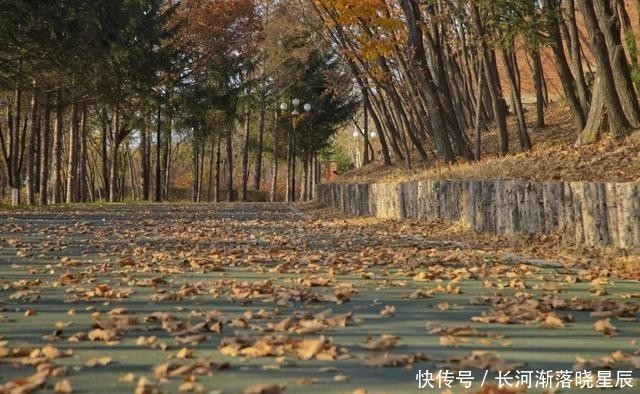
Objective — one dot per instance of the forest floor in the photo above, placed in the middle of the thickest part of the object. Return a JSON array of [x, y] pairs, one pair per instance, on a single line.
[[554, 156], [265, 298]]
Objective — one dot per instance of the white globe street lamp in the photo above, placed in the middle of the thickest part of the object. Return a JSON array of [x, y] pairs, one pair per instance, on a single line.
[[307, 107], [373, 134]]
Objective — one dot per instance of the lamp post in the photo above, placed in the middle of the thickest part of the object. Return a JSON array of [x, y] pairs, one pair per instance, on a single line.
[[356, 152], [294, 116]]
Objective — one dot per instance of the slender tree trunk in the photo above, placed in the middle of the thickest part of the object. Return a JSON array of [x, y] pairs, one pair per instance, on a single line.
[[438, 114], [144, 161], [536, 65], [289, 160], [562, 66], [44, 151], [37, 146], [376, 121], [576, 57], [257, 177], [365, 116], [72, 164], [216, 192], [31, 140], [496, 100], [211, 160], [82, 170], [229, 166], [516, 99], [56, 164], [195, 147], [203, 149], [115, 145], [132, 176], [293, 168], [305, 178], [276, 143], [105, 154], [158, 185], [478, 119], [14, 147], [166, 158], [245, 156]]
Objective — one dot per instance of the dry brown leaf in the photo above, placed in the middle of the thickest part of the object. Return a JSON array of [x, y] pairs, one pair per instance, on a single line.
[[385, 342], [388, 311], [604, 326], [552, 321], [98, 362], [63, 387]]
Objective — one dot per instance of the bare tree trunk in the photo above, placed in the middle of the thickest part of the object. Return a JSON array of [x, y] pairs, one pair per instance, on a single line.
[[610, 27], [105, 154], [31, 140], [229, 166], [115, 145], [195, 148], [305, 175], [376, 121], [216, 192], [516, 99], [158, 185], [496, 100], [134, 185], [438, 115], [562, 66], [14, 146], [82, 171], [72, 164], [144, 161], [276, 142], [56, 164], [627, 32], [365, 116], [257, 177], [536, 65], [203, 149], [44, 151], [478, 119], [576, 57], [166, 156], [618, 123], [245, 156], [597, 116], [211, 160], [289, 160]]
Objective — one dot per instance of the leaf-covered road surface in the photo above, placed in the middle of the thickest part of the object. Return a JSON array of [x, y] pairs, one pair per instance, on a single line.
[[262, 298]]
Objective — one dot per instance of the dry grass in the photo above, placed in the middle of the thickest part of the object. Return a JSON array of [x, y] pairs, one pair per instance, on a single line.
[[554, 157]]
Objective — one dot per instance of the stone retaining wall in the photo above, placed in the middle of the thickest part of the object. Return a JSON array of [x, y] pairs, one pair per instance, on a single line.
[[590, 213]]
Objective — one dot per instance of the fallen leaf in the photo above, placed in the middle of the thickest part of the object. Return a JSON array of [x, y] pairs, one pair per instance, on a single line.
[[388, 311], [63, 387], [604, 326], [384, 342], [98, 362]]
